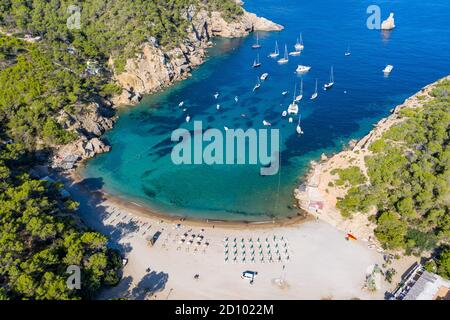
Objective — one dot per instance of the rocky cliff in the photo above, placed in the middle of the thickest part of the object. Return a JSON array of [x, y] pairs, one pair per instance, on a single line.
[[155, 68], [151, 70], [90, 122]]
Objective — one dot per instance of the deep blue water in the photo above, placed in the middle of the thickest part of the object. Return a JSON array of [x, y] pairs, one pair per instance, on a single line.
[[139, 166]]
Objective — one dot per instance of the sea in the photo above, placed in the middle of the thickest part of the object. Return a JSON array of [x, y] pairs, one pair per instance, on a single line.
[[140, 167]]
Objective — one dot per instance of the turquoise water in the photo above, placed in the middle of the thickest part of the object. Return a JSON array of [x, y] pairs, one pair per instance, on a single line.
[[139, 167]]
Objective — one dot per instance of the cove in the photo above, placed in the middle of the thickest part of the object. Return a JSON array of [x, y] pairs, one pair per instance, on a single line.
[[139, 166]]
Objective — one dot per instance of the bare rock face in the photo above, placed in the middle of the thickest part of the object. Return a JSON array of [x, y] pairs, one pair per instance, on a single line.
[[154, 68], [90, 122], [389, 23]]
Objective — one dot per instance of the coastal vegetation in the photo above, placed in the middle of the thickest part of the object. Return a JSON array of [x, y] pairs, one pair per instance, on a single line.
[[112, 28], [47, 68], [40, 238], [408, 185]]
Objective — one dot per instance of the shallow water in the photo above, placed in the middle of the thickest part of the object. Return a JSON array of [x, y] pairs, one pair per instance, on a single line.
[[139, 166]]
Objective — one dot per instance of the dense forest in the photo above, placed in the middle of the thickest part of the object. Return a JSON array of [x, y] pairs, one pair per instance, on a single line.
[[108, 27], [40, 236], [409, 181]]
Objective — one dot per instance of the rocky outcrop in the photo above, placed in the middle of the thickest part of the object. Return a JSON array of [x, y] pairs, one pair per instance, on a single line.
[[90, 122], [155, 68], [389, 23]]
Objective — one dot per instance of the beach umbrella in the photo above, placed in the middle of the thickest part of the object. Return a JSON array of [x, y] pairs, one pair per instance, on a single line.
[[226, 245], [234, 239], [226, 259], [287, 258], [234, 245], [276, 245]]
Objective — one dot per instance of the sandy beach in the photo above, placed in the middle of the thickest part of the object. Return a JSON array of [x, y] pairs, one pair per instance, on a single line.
[[298, 258], [310, 260]]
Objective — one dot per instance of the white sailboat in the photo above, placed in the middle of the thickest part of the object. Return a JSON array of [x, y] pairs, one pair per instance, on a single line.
[[297, 52], [188, 118], [256, 45], [347, 53], [285, 59], [299, 45], [299, 128], [256, 62], [314, 95], [276, 53], [331, 83], [293, 107], [300, 96], [257, 85]]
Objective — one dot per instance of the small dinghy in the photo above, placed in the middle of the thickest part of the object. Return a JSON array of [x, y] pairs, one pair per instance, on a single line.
[[290, 119], [188, 118], [388, 69], [284, 113], [216, 95], [266, 123], [264, 76], [302, 69], [218, 107], [181, 104]]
